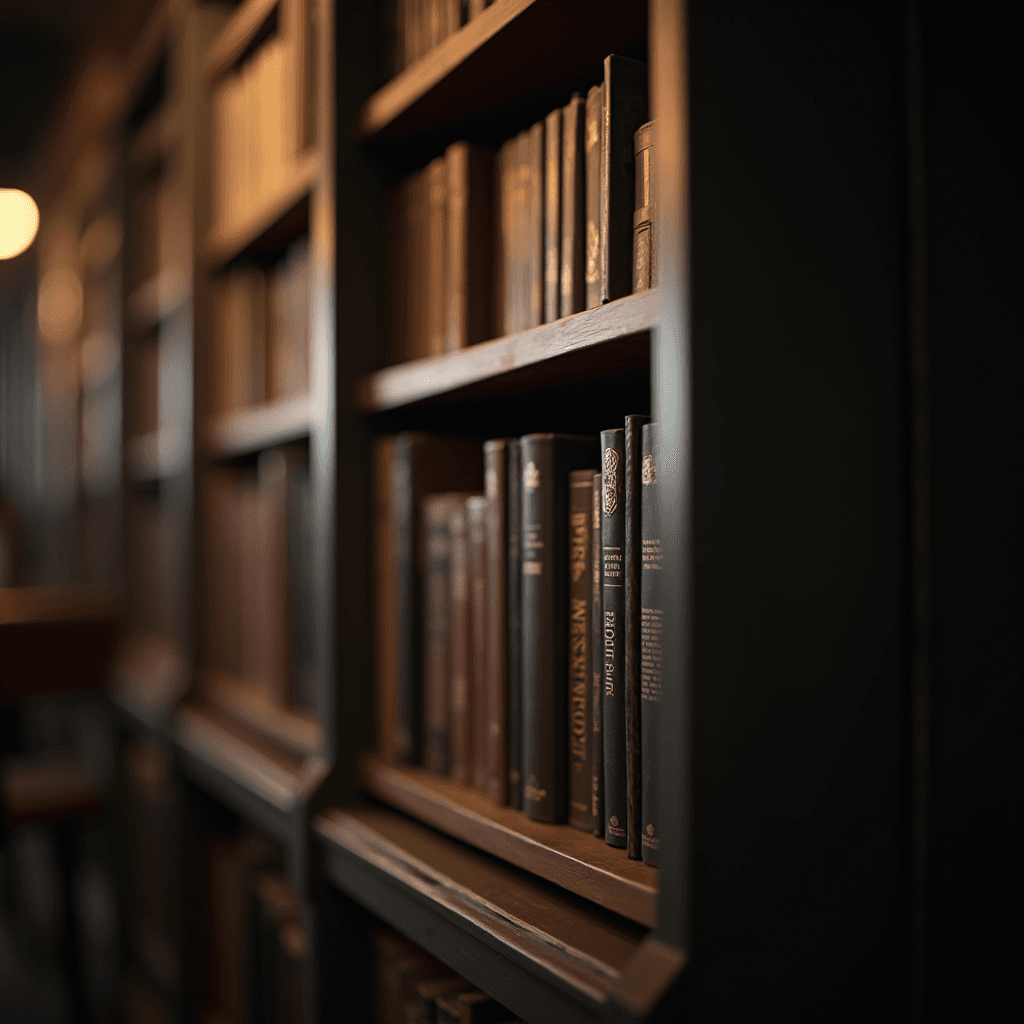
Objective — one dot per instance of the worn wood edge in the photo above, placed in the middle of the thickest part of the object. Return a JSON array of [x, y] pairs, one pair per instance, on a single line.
[[400, 789], [256, 427], [22, 606], [571, 969], [240, 29], [221, 245], [414, 82], [419, 379]]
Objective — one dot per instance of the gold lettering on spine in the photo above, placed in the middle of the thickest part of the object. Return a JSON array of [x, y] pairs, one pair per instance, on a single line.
[[578, 680], [609, 654]]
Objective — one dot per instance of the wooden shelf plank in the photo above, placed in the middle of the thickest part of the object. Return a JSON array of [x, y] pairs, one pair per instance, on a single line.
[[281, 217], [602, 340], [249, 430], [237, 35], [543, 953], [563, 855], [466, 80]]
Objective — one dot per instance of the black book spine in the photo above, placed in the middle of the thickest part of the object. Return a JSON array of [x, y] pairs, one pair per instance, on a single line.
[[651, 604], [596, 666], [631, 579], [613, 609], [515, 630], [547, 460], [409, 710]]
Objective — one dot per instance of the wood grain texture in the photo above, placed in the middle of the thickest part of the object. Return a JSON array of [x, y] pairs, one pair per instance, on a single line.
[[571, 859], [605, 339], [238, 34], [260, 426]]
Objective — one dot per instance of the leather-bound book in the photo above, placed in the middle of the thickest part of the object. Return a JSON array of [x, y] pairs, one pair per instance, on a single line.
[[592, 172], [552, 213], [385, 619], [400, 269], [535, 162], [632, 563], [651, 651], [504, 186], [643, 212], [501, 484], [581, 513], [476, 517], [596, 669], [613, 611], [547, 460], [572, 283], [625, 110], [470, 274], [417, 329], [422, 464], [437, 260], [521, 268], [457, 618]]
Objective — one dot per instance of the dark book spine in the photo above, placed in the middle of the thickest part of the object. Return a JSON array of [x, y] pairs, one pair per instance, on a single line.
[[625, 110], [476, 516], [613, 609], [408, 738], [631, 579], [643, 212], [460, 651], [535, 225], [552, 212], [572, 290], [651, 605], [514, 599], [596, 665], [581, 489], [437, 259], [592, 156], [495, 680], [437, 610]]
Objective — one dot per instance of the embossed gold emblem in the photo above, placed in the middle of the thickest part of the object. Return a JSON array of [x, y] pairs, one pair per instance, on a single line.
[[610, 481], [648, 471], [531, 477]]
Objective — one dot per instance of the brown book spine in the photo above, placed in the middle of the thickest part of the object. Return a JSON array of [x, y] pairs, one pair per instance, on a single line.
[[385, 624], [503, 226], [593, 149], [552, 212], [460, 652], [437, 515], [572, 286], [519, 240], [437, 260], [596, 666], [476, 515], [625, 110], [632, 568], [417, 331], [400, 269], [535, 159], [643, 214], [581, 488]]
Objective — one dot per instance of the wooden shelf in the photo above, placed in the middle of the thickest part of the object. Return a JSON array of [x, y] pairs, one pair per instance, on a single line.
[[158, 298], [517, 54], [250, 430], [158, 455], [25, 606], [541, 952], [239, 34], [599, 341], [563, 855], [281, 217]]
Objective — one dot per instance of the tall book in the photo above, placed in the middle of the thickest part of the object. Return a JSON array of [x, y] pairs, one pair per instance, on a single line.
[[596, 665], [301, 635], [581, 492], [547, 460], [517, 298], [643, 212], [631, 579], [552, 213], [437, 264], [572, 283], [534, 241], [625, 110], [455, 618], [613, 610], [400, 271], [652, 603], [385, 620], [504, 168], [476, 517], [592, 158], [501, 484], [470, 274], [422, 464]]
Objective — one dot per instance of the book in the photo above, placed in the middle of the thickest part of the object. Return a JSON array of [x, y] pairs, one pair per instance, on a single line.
[[581, 489], [385, 619], [651, 650], [625, 110], [436, 261], [613, 600], [592, 158], [470, 274], [402, 209], [301, 635], [460, 654], [631, 626], [422, 464], [572, 283], [643, 211], [596, 667], [547, 460], [552, 213], [476, 517], [288, 323], [533, 242]]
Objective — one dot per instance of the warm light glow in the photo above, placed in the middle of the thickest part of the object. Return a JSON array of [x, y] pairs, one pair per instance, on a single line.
[[19, 222]]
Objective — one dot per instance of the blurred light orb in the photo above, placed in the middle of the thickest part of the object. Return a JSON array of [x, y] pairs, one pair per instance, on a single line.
[[59, 306], [19, 222]]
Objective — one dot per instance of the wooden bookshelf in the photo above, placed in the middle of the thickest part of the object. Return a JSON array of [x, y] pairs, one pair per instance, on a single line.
[[253, 429], [241, 32]]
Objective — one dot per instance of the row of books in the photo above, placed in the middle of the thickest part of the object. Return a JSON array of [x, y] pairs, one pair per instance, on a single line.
[[258, 542], [256, 130], [520, 628], [412, 987], [485, 245], [261, 330], [420, 25]]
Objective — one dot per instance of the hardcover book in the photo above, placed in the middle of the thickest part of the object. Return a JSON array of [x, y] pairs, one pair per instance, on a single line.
[[572, 285], [460, 653], [476, 520], [596, 667]]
